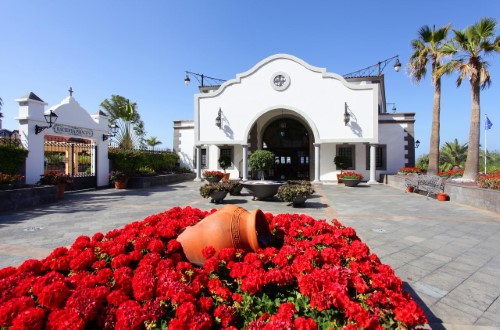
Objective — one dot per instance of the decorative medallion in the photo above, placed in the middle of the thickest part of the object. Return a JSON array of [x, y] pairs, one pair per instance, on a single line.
[[280, 81]]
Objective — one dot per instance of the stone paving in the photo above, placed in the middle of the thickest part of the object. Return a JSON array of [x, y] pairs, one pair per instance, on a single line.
[[447, 254]]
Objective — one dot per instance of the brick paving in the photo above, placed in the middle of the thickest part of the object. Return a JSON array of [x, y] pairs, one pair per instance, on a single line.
[[447, 254]]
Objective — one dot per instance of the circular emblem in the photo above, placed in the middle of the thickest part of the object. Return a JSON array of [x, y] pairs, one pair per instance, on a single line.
[[280, 81]]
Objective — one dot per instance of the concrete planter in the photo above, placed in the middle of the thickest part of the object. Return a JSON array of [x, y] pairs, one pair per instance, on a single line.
[[15, 199], [262, 189]]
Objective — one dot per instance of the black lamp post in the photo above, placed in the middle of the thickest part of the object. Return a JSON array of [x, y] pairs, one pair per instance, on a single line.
[[347, 115], [113, 129], [218, 119], [393, 106], [50, 118], [417, 144], [201, 79], [380, 66]]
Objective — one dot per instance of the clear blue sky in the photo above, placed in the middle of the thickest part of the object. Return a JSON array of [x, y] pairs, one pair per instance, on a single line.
[[140, 50]]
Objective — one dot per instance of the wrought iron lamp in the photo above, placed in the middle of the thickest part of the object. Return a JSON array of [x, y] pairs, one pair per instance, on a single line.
[[380, 66], [347, 115], [50, 118], [393, 106], [113, 129], [218, 119], [201, 79], [417, 144]]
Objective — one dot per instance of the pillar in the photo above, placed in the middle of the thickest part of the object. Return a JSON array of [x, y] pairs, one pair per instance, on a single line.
[[198, 164], [373, 164], [316, 162], [245, 162]]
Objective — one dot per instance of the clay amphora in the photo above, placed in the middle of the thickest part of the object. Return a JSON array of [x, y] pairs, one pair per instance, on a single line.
[[231, 226]]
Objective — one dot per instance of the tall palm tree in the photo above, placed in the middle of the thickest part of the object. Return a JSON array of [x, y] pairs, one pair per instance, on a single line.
[[453, 155], [467, 48], [427, 49]]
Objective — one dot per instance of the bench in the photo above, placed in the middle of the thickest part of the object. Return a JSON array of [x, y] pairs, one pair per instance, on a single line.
[[432, 184]]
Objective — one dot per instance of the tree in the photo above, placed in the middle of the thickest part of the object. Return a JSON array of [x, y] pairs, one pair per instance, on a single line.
[[422, 162], [467, 48], [152, 142], [427, 48], [453, 155], [124, 114]]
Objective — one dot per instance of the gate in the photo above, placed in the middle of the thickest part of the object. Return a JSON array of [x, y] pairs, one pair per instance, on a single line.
[[76, 157]]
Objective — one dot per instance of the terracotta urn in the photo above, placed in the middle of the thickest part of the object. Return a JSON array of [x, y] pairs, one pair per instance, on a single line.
[[442, 197], [225, 178], [231, 226], [61, 187], [121, 184]]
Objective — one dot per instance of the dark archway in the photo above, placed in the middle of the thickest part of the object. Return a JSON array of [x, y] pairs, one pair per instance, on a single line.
[[288, 139]]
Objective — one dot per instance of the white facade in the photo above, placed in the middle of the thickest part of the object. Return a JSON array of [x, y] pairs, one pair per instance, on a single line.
[[72, 121], [284, 90]]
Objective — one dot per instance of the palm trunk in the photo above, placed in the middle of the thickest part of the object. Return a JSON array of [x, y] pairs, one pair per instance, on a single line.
[[472, 162], [436, 122]]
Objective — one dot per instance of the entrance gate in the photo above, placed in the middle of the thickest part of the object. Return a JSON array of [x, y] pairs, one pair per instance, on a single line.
[[76, 157]]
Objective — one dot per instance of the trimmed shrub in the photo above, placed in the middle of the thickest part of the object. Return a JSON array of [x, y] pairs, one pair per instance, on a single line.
[[12, 158]]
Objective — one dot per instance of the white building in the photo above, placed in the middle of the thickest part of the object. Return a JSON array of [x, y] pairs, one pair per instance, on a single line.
[[298, 112]]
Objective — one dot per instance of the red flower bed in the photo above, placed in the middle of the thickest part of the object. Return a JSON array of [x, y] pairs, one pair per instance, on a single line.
[[316, 275]]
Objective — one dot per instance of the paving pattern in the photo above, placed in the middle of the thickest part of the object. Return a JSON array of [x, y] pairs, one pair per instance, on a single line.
[[447, 254]]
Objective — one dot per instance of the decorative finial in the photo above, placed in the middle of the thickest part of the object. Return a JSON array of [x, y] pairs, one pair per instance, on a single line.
[[70, 91]]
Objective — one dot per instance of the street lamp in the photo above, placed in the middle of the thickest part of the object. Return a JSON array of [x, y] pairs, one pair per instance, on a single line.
[[218, 119], [393, 106], [347, 115], [50, 118], [379, 66], [113, 129], [417, 144], [201, 79]]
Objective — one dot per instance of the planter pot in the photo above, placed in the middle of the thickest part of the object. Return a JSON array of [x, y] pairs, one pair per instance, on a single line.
[[409, 189], [236, 191], [230, 227], [339, 179], [262, 189], [442, 197], [351, 182], [225, 178], [299, 201], [218, 196], [61, 187], [121, 184], [213, 179]]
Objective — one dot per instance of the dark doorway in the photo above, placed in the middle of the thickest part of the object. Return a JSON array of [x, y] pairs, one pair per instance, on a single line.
[[288, 139]]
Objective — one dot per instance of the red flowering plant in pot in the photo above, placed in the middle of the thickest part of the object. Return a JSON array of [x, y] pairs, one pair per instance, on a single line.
[[55, 178], [314, 275], [212, 176]]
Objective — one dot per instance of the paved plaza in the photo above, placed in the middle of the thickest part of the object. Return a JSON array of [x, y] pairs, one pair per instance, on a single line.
[[447, 254]]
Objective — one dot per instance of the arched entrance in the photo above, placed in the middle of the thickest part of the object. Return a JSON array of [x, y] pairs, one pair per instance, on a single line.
[[288, 139]]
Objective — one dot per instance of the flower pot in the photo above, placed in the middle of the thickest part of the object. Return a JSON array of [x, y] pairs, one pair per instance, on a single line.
[[442, 197], [236, 191], [61, 187], [299, 201], [121, 184], [225, 178], [351, 182], [218, 196], [230, 227], [262, 189], [409, 189], [213, 179], [339, 179]]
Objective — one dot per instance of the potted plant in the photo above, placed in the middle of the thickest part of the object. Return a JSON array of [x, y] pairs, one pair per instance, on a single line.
[[261, 160], [59, 179], [225, 162], [119, 179], [8, 181], [351, 179], [217, 191], [295, 192], [341, 164], [213, 176], [236, 187]]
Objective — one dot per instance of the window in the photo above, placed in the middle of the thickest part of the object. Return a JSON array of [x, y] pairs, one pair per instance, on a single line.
[[204, 158], [348, 152], [226, 151], [380, 157]]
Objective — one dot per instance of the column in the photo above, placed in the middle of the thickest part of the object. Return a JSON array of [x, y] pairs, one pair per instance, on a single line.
[[198, 164], [373, 164], [316, 163], [245, 162]]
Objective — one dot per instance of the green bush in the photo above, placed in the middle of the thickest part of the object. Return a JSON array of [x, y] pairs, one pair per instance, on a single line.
[[12, 158], [139, 161]]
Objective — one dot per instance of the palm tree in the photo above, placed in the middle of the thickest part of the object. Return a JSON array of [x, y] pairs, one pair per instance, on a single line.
[[124, 114], [453, 155], [153, 142], [428, 48], [467, 47]]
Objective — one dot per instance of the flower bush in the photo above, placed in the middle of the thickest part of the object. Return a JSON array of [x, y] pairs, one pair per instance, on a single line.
[[207, 189], [350, 175], [10, 178], [213, 174], [117, 176], [409, 170], [489, 181], [315, 276], [451, 174], [53, 178], [293, 189]]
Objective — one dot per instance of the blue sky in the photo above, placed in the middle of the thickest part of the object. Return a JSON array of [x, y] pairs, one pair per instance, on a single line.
[[140, 50]]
